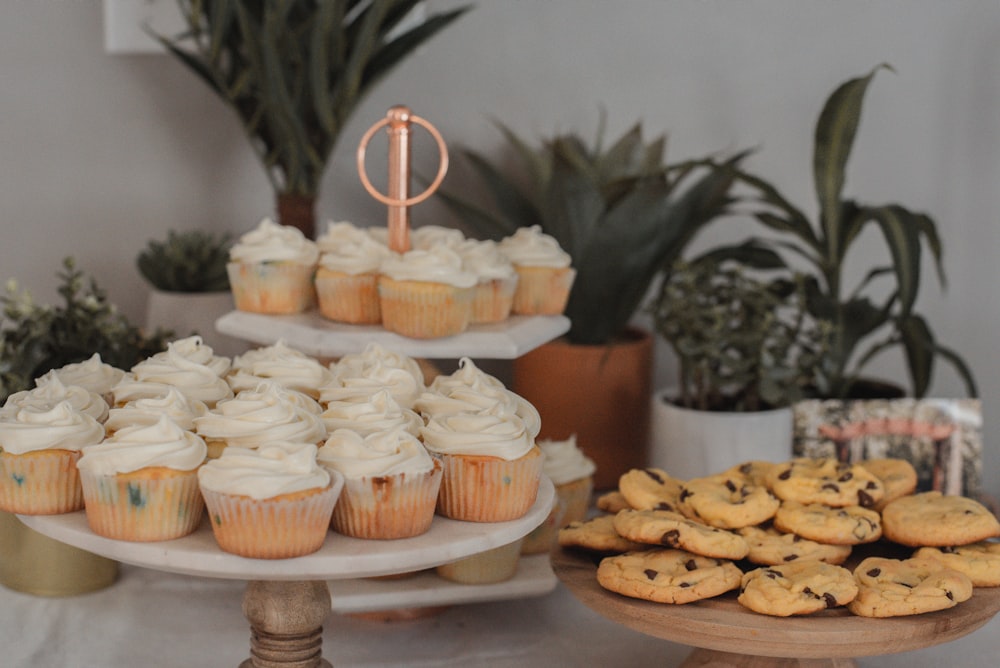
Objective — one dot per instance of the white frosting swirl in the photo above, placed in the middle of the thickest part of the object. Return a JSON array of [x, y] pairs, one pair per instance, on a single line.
[[484, 259], [286, 366], [32, 428], [564, 461], [366, 410], [384, 453], [355, 258], [484, 433], [339, 233], [531, 247], [92, 374], [271, 470], [148, 410], [271, 242], [189, 365], [53, 391], [263, 415], [471, 386], [436, 265], [372, 369], [163, 443], [426, 237]]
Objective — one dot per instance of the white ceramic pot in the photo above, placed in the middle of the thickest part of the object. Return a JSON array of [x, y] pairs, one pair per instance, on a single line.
[[688, 443], [188, 313]]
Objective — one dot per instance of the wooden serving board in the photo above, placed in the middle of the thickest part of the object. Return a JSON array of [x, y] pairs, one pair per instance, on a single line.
[[743, 636]]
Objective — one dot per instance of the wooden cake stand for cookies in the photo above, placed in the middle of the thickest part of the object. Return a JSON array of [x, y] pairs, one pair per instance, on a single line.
[[727, 635], [287, 600]]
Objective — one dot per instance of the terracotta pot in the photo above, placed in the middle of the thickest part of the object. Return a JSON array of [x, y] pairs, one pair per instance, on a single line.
[[600, 393]]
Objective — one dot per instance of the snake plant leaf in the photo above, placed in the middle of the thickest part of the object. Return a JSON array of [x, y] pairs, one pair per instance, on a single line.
[[479, 222], [514, 207], [538, 163], [573, 204]]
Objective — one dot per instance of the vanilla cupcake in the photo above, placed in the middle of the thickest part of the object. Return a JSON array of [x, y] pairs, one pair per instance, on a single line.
[[265, 414], [272, 502], [347, 275], [427, 237], [188, 364], [52, 391], [498, 564], [544, 272], [375, 368], [141, 484], [496, 280], [286, 366], [147, 410], [271, 269], [390, 483], [365, 410], [92, 374], [572, 473], [39, 449], [491, 465], [426, 293]]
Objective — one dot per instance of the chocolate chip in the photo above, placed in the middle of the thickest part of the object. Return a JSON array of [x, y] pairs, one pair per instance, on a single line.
[[831, 486], [865, 499], [874, 573], [690, 565], [730, 485], [663, 505], [684, 585], [791, 557], [685, 494], [746, 468], [785, 475], [831, 600], [844, 478], [807, 590], [772, 573], [950, 596], [654, 475], [670, 538], [871, 485], [650, 573]]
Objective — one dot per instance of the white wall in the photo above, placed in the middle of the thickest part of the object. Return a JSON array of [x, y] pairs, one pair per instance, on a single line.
[[100, 153]]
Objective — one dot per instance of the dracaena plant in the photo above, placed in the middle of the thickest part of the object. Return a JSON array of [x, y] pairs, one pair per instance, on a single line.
[[294, 71], [186, 261], [875, 312], [620, 211]]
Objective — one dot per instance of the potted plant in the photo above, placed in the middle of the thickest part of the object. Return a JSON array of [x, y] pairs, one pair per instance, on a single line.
[[35, 338], [293, 71], [622, 214], [876, 313], [190, 287]]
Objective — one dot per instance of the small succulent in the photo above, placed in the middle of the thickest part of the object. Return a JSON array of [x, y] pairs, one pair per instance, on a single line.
[[35, 338], [189, 261], [744, 342]]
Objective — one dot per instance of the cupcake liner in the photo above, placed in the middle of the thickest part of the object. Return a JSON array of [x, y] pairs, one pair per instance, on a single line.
[[488, 489], [285, 526], [493, 300], [348, 298], [424, 310], [272, 287], [148, 505], [43, 482], [496, 565], [542, 290], [388, 507], [575, 499]]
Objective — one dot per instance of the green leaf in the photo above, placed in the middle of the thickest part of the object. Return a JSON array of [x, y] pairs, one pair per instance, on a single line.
[[902, 237], [514, 206]]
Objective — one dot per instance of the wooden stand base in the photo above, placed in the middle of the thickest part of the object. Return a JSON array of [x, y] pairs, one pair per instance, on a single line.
[[710, 658], [286, 623]]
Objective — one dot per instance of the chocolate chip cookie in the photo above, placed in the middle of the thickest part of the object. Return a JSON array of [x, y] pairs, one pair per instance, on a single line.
[[826, 481], [980, 561], [850, 525], [650, 489], [798, 588], [670, 529], [897, 475], [930, 519], [596, 535], [769, 547], [894, 588], [667, 576], [726, 502]]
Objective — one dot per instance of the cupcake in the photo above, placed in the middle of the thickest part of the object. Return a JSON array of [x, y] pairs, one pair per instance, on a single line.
[[375, 368], [187, 364], [39, 448], [347, 275], [272, 502], [271, 269], [141, 484], [262, 415], [427, 237], [491, 465], [572, 473], [498, 564], [390, 483], [52, 391], [91, 374], [367, 410], [147, 410], [426, 294], [286, 366], [496, 280], [544, 272]]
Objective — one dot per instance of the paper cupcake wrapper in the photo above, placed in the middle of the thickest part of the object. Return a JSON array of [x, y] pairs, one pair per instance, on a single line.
[[493, 300], [423, 310], [346, 298], [272, 287], [496, 565], [43, 482], [542, 290], [388, 507], [135, 508], [277, 528], [575, 499], [488, 489]]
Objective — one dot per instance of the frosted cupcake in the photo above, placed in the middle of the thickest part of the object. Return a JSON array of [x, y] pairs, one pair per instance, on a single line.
[[491, 465], [426, 293], [427, 237], [272, 502], [147, 410], [92, 374], [496, 280], [52, 391], [286, 366], [265, 414], [141, 484], [391, 483], [271, 269], [375, 368], [544, 272], [365, 411], [347, 275], [39, 448], [188, 364], [572, 473]]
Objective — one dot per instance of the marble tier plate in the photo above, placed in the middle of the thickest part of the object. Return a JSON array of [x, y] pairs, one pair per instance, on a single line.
[[340, 557]]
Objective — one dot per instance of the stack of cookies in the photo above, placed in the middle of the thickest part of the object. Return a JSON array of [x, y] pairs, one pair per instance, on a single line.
[[782, 533]]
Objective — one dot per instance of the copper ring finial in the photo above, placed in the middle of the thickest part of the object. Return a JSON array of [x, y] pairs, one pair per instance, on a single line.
[[401, 115]]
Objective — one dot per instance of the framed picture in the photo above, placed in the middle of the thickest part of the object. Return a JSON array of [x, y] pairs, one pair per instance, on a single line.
[[942, 438]]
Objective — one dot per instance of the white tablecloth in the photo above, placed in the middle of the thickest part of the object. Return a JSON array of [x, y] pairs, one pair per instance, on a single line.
[[151, 619]]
